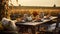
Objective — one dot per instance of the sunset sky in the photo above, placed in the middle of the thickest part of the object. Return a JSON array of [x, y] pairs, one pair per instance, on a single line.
[[36, 2]]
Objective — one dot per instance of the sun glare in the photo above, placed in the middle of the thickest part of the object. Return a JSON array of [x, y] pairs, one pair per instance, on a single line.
[[35, 2]]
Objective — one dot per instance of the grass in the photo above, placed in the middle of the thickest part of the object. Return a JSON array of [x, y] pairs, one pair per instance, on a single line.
[[1, 27]]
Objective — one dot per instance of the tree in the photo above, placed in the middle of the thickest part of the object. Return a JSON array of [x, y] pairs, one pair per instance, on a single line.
[[4, 8]]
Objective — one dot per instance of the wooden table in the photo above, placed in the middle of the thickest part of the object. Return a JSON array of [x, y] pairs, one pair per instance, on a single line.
[[33, 25]]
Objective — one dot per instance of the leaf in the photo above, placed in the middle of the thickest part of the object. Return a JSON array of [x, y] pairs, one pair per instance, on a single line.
[[17, 0], [10, 0]]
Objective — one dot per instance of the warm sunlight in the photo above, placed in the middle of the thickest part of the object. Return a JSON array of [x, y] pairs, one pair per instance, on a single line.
[[36, 2]]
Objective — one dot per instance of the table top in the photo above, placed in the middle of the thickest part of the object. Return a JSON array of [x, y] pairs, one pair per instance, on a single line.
[[36, 23]]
